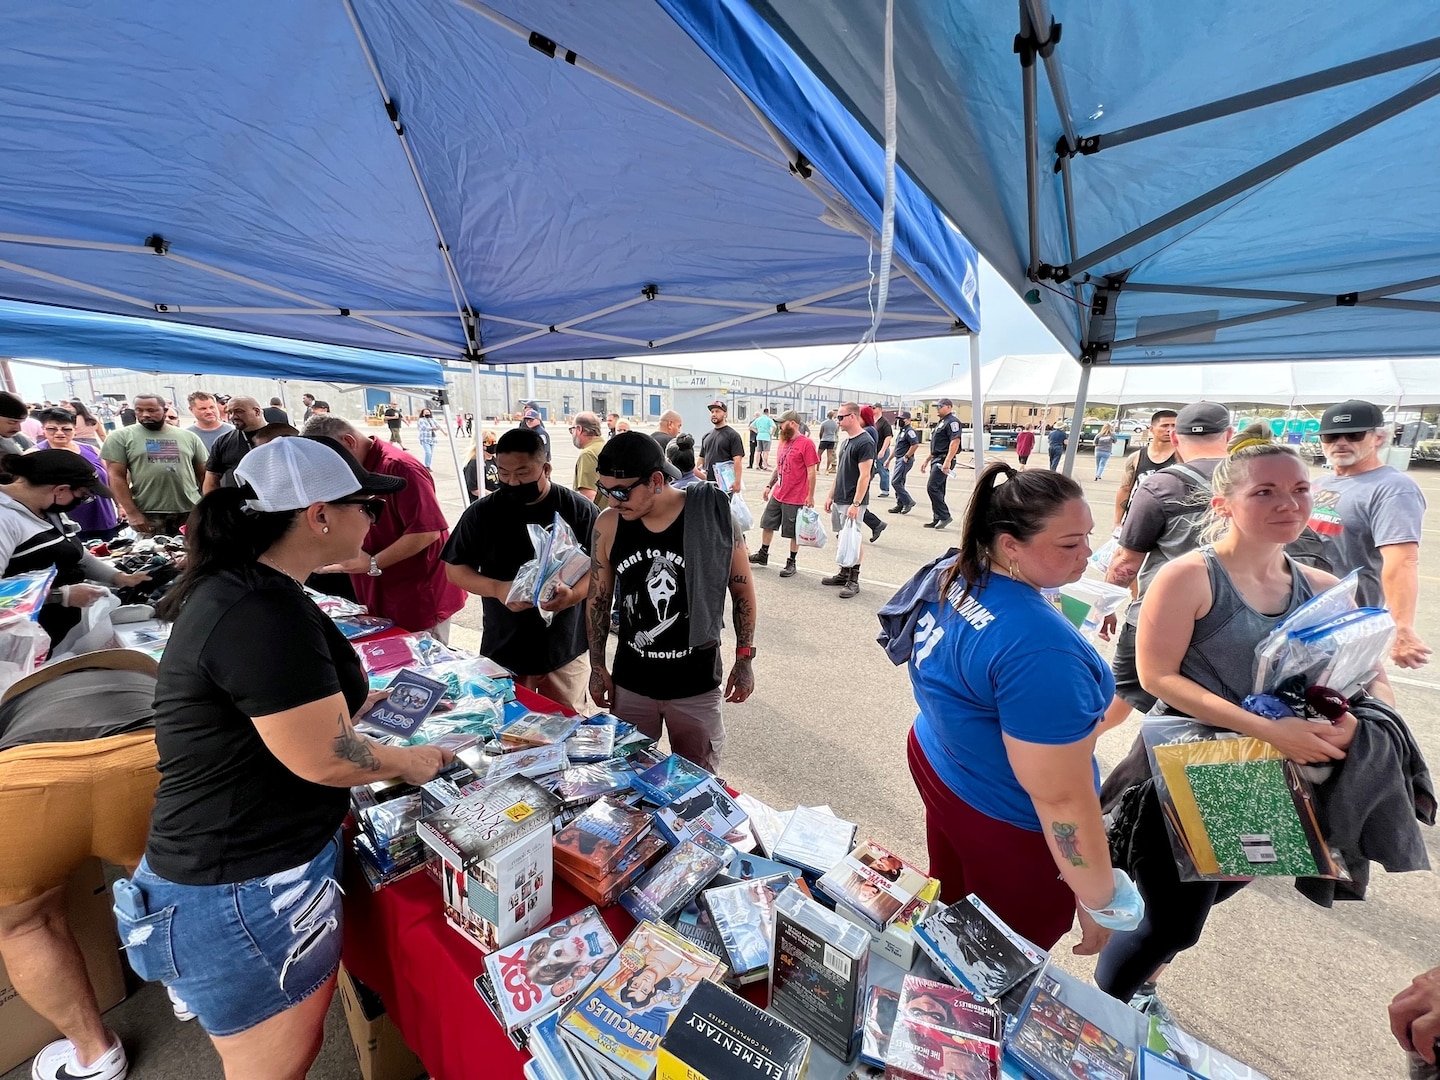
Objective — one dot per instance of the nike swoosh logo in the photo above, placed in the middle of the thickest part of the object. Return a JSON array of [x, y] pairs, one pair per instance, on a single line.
[[66, 1074]]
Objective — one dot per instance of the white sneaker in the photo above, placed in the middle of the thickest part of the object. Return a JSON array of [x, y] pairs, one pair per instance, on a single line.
[[57, 1062], [182, 1011]]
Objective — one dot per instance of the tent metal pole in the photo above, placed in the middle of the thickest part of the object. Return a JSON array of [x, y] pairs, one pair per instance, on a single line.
[[977, 401], [455, 456], [1077, 419], [1040, 19], [475, 407], [1326, 140], [1072, 237], [529, 382], [1032, 140], [1419, 53]]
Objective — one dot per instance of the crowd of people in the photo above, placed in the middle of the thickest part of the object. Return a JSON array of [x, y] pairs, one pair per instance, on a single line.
[[1222, 535]]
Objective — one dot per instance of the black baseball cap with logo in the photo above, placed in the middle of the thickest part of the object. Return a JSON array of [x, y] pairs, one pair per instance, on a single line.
[[1352, 415], [1203, 418]]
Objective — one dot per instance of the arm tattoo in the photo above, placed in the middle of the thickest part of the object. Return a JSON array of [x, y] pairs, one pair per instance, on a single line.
[[739, 579], [1067, 841], [744, 615], [354, 748], [597, 607]]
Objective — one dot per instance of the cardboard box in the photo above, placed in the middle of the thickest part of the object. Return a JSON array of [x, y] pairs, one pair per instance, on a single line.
[[22, 1031], [379, 1047]]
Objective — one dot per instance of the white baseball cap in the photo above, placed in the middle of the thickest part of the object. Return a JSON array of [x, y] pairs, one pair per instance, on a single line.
[[293, 472]]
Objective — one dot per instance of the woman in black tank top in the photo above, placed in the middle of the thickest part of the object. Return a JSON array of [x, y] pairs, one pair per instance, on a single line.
[[1204, 615]]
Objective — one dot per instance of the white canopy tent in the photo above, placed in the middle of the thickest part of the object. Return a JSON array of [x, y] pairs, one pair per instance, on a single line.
[[1054, 379]]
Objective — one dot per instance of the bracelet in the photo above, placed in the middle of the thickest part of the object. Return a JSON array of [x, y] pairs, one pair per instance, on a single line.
[[1126, 906]]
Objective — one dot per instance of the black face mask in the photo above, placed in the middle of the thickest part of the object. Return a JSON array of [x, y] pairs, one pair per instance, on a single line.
[[522, 493]]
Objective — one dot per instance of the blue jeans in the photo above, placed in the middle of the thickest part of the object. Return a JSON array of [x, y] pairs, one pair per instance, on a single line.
[[428, 450], [880, 464], [897, 478], [1055, 458], [1101, 460], [236, 954]]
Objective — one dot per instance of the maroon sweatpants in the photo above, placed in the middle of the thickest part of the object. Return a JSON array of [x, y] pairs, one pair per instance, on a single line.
[[1009, 868]]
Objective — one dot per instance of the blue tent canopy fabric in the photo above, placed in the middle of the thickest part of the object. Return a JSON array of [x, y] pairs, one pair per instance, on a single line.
[[90, 338], [506, 182], [1248, 181]]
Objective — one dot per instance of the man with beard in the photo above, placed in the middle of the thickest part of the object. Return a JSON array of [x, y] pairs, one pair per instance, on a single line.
[[666, 558], [491, 542], [156, 471], [722, 444]]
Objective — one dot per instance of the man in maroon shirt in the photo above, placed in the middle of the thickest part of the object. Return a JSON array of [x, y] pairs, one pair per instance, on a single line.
[[399, 574]]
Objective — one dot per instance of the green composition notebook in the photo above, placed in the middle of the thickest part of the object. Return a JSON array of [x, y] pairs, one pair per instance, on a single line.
[[1252, 820]]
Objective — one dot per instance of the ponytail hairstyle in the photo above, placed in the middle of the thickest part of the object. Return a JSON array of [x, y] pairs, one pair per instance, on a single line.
[[1254, 442], [223, 534], [1006, 501], [682, 452]]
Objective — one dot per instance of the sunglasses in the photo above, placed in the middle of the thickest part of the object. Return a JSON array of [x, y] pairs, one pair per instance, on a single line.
[[845, 415], [373, 507], [1348, 436], [617, 494]]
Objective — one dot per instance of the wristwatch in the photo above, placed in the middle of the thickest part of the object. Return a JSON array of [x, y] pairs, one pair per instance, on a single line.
[[374, 570], [745, 652]]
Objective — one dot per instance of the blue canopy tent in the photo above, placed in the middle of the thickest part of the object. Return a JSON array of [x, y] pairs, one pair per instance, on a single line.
[[494, 182], [1170, 183]]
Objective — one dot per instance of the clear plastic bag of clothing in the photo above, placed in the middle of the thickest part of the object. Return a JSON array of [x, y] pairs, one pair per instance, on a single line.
[[559, 560], [1235, 807], [1340, 653], [847, 544], [809, 528], [1322, 607], [740, 513]]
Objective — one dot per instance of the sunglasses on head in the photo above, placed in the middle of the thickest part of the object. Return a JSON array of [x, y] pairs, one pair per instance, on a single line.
[[373, 507], [617, 494], [1348, 436]]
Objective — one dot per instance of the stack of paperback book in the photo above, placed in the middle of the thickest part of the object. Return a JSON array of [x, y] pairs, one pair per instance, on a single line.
[[817, 981], [495, 846], [614, 1028], [717, 1036], [943, 1033], [604, 850], [525, 982], [975, 950]]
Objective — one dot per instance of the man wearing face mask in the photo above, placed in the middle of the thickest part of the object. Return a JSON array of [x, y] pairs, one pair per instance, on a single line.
[[489, 545], [156, 470]]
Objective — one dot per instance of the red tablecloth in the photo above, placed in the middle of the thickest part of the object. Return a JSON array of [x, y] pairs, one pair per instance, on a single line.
[[398, 944]]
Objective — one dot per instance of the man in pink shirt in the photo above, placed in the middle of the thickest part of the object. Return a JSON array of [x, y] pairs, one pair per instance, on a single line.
[[791, 486], [399, 574]]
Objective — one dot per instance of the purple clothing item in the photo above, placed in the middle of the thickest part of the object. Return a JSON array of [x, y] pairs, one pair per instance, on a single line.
[[97, 515]]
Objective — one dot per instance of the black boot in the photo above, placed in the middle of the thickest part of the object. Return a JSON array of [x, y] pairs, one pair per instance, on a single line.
[[790, 569], [761, 557], [852, 586], [840, 577]]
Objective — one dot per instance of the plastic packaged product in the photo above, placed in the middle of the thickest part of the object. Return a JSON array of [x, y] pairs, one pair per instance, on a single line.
[[809, 529], [1087, 603], [1321, 608], [337, 607], [1234, 806], [559, 560], [23, 595]]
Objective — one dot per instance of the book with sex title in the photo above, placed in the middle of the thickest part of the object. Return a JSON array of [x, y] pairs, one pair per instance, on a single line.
[[976, 950], [817, 980], [676, 879], [943, 1033], [719, 1036], [631, 1004], [873, 883], [539, 974]]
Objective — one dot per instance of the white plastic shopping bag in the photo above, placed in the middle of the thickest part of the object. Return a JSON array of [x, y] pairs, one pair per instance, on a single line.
[[847, 544], [809, 528], [740, 513]]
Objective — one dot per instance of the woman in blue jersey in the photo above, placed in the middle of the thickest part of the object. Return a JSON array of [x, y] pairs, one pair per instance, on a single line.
[[1010, 694]]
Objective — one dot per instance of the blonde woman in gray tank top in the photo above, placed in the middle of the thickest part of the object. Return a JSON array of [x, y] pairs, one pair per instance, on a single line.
[[1204, 614]]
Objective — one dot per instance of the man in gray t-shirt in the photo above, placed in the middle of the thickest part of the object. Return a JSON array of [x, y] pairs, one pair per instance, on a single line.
[[1370, 515]]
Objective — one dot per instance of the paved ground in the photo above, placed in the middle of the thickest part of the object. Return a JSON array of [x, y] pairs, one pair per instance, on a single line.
[[1298, 991]]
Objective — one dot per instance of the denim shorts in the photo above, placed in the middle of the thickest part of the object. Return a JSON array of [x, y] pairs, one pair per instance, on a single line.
[[236, 955]]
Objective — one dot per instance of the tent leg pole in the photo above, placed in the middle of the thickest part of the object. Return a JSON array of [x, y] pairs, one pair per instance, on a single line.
[[455, 455], [1077, 419], [475, 402], [977, 402]]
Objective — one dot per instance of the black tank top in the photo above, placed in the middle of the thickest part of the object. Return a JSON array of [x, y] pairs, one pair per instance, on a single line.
[[1144, 467], [654, 657]]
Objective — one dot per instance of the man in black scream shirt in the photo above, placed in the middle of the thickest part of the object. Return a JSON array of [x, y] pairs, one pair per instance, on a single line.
[[668, 557], [490, 544]]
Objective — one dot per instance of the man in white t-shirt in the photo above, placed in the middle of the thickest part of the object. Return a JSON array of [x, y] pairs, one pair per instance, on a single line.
[[1370, 515]]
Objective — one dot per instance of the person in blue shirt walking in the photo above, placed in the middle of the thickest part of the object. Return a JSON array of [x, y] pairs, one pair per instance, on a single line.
[[1057, 440], [907, 441], [1010, 693]]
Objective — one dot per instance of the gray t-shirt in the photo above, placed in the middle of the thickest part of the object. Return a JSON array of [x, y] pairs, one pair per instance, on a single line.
[[1358, 515], [857, 449], [829, 430], [209, 437], [80, 705]]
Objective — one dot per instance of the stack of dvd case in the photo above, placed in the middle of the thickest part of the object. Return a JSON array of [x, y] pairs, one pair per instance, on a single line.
[[717, 1036], [874, 884], [677, 878], [604, 850], [817, 980], [942, 1032]]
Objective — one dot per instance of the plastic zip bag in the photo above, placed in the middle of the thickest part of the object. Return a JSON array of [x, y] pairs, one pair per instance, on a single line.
[[1235, 808], [1087, 603], [847, 544], [809, 528], [1338, 653], [559, 560], [740, 513], [1336, 600]]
